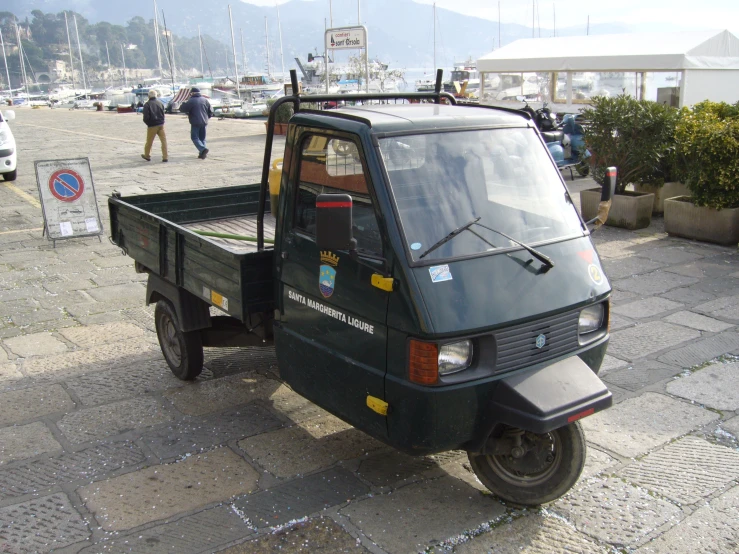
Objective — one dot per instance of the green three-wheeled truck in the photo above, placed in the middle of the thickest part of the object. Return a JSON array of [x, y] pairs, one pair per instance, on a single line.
[[425, 277]]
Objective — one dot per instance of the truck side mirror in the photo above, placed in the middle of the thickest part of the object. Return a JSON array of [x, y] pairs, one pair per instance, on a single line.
[[334, 222]]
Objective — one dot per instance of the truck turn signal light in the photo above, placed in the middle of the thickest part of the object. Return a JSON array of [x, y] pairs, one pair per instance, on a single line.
[[423, 362]]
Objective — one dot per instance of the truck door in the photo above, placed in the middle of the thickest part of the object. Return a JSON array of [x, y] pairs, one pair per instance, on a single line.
[[331, 336]]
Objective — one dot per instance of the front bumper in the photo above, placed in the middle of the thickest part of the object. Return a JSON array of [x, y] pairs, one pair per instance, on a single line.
[[8, 159]]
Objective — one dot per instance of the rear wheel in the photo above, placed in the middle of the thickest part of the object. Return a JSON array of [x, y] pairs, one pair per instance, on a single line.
[[10, 175], [540, 469], [583, 169], [182, 351]]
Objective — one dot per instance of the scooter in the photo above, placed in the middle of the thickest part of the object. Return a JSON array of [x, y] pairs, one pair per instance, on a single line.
[[565, 141]]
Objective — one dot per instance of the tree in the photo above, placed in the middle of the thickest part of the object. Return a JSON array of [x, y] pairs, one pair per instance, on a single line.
[[378, 72]]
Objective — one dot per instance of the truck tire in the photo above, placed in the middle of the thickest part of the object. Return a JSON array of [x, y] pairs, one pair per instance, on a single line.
[[583, 169], [549, 468], [10, 175], [182, 351]]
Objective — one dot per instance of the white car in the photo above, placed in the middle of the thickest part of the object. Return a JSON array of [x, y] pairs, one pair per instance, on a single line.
[[8, 155]]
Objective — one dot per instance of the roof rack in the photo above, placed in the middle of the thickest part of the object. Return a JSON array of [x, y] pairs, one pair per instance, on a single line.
[[296, 99]]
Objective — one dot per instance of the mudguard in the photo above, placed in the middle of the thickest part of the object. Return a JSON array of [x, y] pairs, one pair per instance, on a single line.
[[544, 399], [192, 312]]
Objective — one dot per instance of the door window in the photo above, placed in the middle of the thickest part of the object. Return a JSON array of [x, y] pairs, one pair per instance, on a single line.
[[333, 166]]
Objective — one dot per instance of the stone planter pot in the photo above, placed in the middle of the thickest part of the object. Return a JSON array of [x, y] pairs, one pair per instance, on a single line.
[[668, 190], [280, 128], [630, 210], [685, 219]]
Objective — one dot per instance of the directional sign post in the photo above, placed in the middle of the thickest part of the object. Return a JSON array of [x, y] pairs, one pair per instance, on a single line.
[[68, 199], [348, 38]]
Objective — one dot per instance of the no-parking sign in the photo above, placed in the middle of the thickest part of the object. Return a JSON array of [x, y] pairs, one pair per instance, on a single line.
[[68, 198]]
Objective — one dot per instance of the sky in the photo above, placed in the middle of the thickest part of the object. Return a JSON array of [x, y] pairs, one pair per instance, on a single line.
[[663, 14]]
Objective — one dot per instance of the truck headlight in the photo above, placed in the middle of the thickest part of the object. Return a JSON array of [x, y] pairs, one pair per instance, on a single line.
[[4, 137], [591, 319], [454, 357]]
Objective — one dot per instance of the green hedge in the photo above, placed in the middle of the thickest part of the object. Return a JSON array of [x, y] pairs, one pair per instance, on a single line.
[[284, 112], [636, 136], [708, 153]]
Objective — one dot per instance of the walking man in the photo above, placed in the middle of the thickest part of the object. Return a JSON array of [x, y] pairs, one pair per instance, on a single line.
[[154, 119], [198, 111]]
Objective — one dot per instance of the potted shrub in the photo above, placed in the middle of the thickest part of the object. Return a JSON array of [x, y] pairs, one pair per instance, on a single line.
[[636, 136], [283, 115], [708, 156]]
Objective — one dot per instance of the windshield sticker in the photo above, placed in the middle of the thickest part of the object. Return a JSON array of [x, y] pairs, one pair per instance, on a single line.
[[416, 246], [440, 273], [327, 273], [332, 312], [595, 274]]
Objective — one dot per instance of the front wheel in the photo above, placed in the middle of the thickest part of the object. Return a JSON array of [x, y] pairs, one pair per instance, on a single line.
[[10, 175], [182, 351], [539, 469], [583, 169]]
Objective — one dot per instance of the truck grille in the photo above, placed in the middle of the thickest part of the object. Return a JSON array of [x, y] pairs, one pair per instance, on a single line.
[[517, 346]]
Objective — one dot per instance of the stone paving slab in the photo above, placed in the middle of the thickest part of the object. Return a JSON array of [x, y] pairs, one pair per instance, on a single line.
[[716, 386], [193, 434], [40, 525], [647, 307], [421, 515], [122, 382], [300, 497], [320, 534], [40, 344], [9, 374], [292, 406], [393, 468], [159, 492], [89, 464], [616, 512], [618, 322], [640, 424], [732, 426], [201, 532], [610, 364], [201, 398], [640, 341], [112, 419], [703, 350], [25, 441], [596, 462], [640, 374], [688, 295], [726, 307], [61, 366], [711, 529], [533, 534], [697, 321], [32, 403], [95, 335], [309, 446], [626, 267], [669, 255], [656, 282], [686, 470]]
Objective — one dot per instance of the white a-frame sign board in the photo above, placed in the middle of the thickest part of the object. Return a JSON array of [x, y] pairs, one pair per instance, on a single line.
[[68, 199]]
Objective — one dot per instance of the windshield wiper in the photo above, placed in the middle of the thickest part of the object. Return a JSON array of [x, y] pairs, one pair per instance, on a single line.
[[546, 260], [450, 236]]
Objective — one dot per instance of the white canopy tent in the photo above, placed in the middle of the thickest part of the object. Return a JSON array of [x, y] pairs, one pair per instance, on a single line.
[[707, 62]]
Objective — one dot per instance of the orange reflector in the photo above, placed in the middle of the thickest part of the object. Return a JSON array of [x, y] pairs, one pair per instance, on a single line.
[[423, 362], [581, 415]]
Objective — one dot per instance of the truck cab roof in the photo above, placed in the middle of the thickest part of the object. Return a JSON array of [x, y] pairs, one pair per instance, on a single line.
[[409, 118]]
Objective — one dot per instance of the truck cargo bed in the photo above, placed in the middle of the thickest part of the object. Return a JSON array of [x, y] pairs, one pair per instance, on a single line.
[[158, 231]]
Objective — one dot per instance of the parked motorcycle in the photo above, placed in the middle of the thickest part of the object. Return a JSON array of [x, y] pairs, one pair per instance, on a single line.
[[565, 140]]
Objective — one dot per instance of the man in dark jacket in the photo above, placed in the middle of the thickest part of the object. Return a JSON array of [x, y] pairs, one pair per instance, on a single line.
[[198, 111], [154, 119]]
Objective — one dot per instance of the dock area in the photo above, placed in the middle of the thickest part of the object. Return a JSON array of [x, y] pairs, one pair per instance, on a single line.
[[102, 449]]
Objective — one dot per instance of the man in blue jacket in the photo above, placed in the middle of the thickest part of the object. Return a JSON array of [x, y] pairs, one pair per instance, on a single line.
[[198, 111]]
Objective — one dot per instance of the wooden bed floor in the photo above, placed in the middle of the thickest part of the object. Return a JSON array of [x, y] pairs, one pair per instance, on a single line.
[[244, 225]]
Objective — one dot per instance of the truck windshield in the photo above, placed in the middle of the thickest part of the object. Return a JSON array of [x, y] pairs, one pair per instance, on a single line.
[[440, 181]]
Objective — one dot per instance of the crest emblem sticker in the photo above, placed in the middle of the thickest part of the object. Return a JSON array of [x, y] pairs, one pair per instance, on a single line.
[[596, 275], [327, 273], [541, 341]]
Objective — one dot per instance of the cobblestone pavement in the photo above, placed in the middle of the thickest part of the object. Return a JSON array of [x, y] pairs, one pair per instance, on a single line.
[[103, 450]]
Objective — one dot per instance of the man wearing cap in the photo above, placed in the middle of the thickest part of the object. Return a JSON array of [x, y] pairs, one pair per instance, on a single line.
[[154, 119], [198, 111]]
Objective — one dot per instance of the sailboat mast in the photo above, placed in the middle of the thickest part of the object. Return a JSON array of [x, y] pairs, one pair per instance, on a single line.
[[282, 57], [174, 65], [7, 73], [554, 20], [23, 66], [435, 36], [266, 38], [233, 47], [243, 53], [156, 39], [79, 47], [123, 57], [200, 45], [69, 42], [498, 23]]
